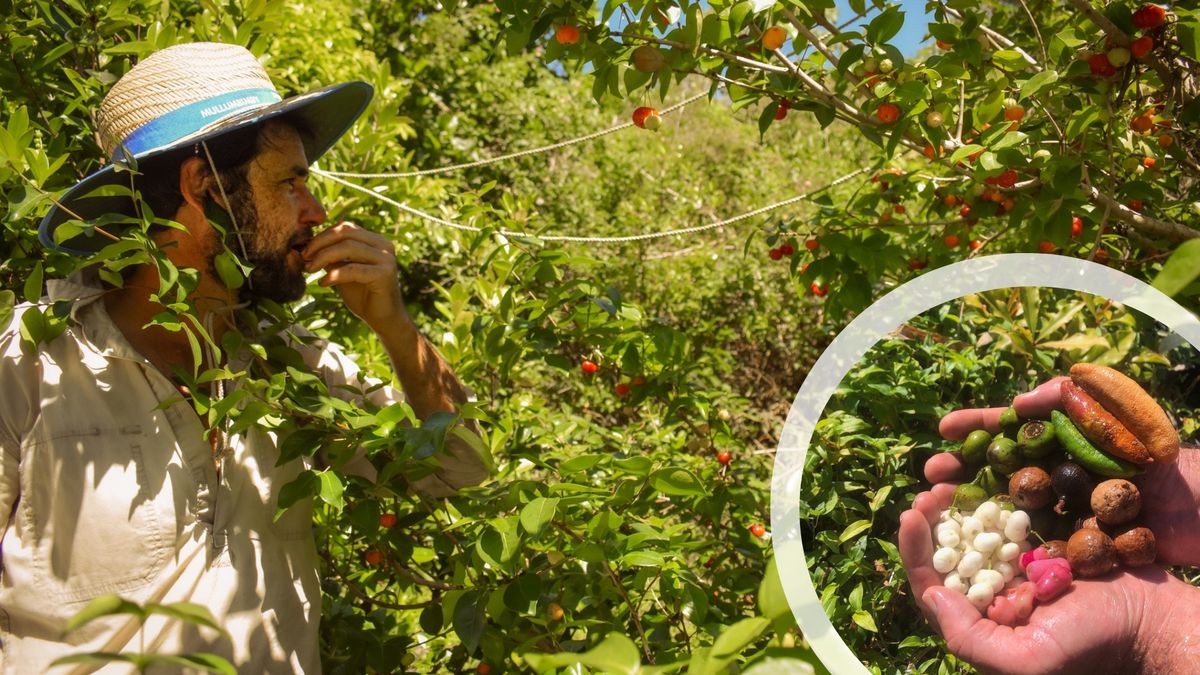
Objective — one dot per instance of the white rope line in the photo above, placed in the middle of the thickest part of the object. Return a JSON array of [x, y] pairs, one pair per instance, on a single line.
[[515, 155], [595, 240]]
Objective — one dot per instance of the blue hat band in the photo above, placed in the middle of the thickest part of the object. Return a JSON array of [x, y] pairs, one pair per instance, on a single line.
[[191, 118]]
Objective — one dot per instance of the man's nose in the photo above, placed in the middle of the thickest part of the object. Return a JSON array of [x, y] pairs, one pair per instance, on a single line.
[[311, 211]]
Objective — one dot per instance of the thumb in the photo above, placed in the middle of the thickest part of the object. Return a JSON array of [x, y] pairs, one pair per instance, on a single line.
[[968, 635]]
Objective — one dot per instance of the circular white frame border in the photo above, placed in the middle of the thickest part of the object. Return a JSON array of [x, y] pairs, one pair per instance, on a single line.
[[923, 293]]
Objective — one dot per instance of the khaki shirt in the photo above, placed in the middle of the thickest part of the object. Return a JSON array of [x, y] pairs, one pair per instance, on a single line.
[[102, 491]]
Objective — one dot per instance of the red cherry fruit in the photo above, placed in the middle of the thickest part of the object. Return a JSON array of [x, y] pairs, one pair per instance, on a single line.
[[1165, 141], [642, 114], [1076, 226], [1014, 113], [786, 249], [812, 244], [888, 113], [951, 241], [724, 457], [1100, 65], [1141, 47], [589, 367], [483, 669], [915, 265], [621, 389], [1135, 204], [965, 212], [1007, 179], [566, 35], [373, 557], [387, 520], [900, 208], [1149, 162], [758, 530], [782, 111], [775, 254], [1046, 246], [944, 45], [817, 289], [974, 244], [1148, 17]]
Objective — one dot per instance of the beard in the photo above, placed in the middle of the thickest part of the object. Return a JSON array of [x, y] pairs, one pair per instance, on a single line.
[[272, 278]]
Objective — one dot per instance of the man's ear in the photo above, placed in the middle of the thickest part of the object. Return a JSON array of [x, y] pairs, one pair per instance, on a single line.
[[196, 183]]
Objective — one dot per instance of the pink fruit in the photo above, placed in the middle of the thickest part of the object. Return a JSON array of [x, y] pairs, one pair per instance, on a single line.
[[1052, 577], [1027, 557], [1014, 606]]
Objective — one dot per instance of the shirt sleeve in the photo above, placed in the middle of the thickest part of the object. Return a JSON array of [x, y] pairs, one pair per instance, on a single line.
[[18, 407], [461, 464]]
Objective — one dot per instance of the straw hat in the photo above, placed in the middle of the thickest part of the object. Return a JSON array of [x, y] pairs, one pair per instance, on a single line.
[[177, 97]]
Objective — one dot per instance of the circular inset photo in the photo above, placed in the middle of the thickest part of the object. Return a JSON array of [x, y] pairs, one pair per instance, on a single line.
[[1003, 478]]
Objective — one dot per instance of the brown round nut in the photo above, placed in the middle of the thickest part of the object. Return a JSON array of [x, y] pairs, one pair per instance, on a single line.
[[1091, 553], [1094, 524], [1136, 546], [1116, 501], [1030, 488], [1055, 548]]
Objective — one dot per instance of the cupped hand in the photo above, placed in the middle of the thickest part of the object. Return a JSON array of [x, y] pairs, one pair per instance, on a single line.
[[1098, 626]]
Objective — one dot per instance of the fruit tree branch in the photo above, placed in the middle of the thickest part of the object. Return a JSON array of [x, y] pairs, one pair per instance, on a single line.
[[1174, 232], [1121, 38], [998, 39], [740, 60]]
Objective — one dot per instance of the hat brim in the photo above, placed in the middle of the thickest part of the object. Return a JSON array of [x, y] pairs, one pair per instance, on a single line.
[[327, 114]]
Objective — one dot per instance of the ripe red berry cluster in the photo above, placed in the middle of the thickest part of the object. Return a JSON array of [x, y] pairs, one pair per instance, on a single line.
[[781, 252]]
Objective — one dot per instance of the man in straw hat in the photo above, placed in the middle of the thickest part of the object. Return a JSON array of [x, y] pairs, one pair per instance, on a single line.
[[109, 481]]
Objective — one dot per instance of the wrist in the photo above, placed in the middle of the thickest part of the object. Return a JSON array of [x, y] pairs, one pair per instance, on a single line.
[[1168, 635]]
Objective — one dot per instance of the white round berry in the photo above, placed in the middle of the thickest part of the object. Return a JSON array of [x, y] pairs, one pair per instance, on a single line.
[[980, 595], [1006, 570], [971, 527], [1008, 551], [1017, 528], [945, 560], [948, 537], [970, 563], [992, 578], [955, 583], [987, 542], [988, 515]]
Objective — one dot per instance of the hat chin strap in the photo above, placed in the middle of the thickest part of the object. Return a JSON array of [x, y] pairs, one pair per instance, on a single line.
[[228, 209]]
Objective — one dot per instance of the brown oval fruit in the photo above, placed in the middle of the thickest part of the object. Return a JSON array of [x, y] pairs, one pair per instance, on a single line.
[[1030, 488], [1055, 548], [649, 59], [1091, 553], [1094, 524], [1116, 501], [1129, 403], [1136, 546]]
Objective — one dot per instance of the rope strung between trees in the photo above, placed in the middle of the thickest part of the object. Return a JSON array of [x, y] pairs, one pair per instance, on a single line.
[[515, 155], [593, 240]]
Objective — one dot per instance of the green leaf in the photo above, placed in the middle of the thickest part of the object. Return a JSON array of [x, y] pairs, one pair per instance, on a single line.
[[94, 658], [538, 513], [331, 489], [470, 619], [1181, 269], [306, 485], [1035, 84], [580, 463], [635, 465], [642, 559], [187, 612], [105, 605], [7, 300], [678, 482], [733, 640], [616, 654], [772, 601], [853, 530], [1188, 33], [885, 26], [207, 662], [33, 284], [228, 270], [865, 620]]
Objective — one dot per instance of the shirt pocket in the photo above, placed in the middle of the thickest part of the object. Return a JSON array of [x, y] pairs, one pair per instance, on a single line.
[[95, 518]]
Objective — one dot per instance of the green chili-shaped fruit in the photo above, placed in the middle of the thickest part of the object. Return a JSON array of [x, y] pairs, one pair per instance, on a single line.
[[1087, 455]]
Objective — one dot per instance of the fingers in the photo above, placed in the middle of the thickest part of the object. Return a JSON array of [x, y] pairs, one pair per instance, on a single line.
[[347, 231], [916, 551], [945, 467], [348, 251], [1039, 402], [956, 425], [349, 274]]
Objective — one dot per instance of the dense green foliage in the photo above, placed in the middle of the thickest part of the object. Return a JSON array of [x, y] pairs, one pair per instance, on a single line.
[[607, 502]]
